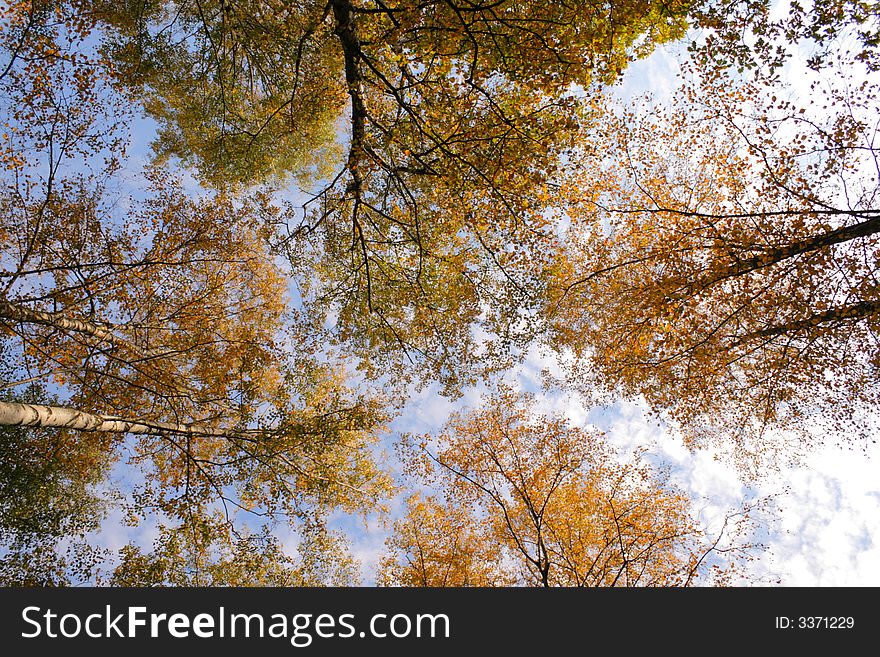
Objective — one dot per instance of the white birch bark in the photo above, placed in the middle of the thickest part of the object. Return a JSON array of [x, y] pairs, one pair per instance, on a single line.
[[18, 313], [39, 415]]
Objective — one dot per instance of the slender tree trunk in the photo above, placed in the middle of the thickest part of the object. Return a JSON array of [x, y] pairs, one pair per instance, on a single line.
[[813, 243], [351, 49], [766, 259], [38, 415], [838, 315], [17, 313]]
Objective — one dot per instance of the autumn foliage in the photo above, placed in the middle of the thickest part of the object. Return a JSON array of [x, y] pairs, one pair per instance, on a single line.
[[526, 499], [341, 200], [723, 265]]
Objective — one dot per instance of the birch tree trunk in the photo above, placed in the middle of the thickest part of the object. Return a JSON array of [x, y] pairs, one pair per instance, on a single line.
[[38, 415], [11, 311]]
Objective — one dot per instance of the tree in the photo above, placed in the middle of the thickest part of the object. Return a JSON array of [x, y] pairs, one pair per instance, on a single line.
[[443, 227], [524, 498], [432, 220], [722, 260], [160, 319]]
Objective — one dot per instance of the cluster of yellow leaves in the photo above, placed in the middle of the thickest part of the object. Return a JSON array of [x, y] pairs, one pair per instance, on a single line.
[[722, 260], [244, 92], [186, 286], [526, 499]]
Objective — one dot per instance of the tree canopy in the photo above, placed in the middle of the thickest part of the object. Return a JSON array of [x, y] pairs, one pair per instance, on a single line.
[[523, 498], [430, 220], [164, 325], [348, 195], [722, 258]]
